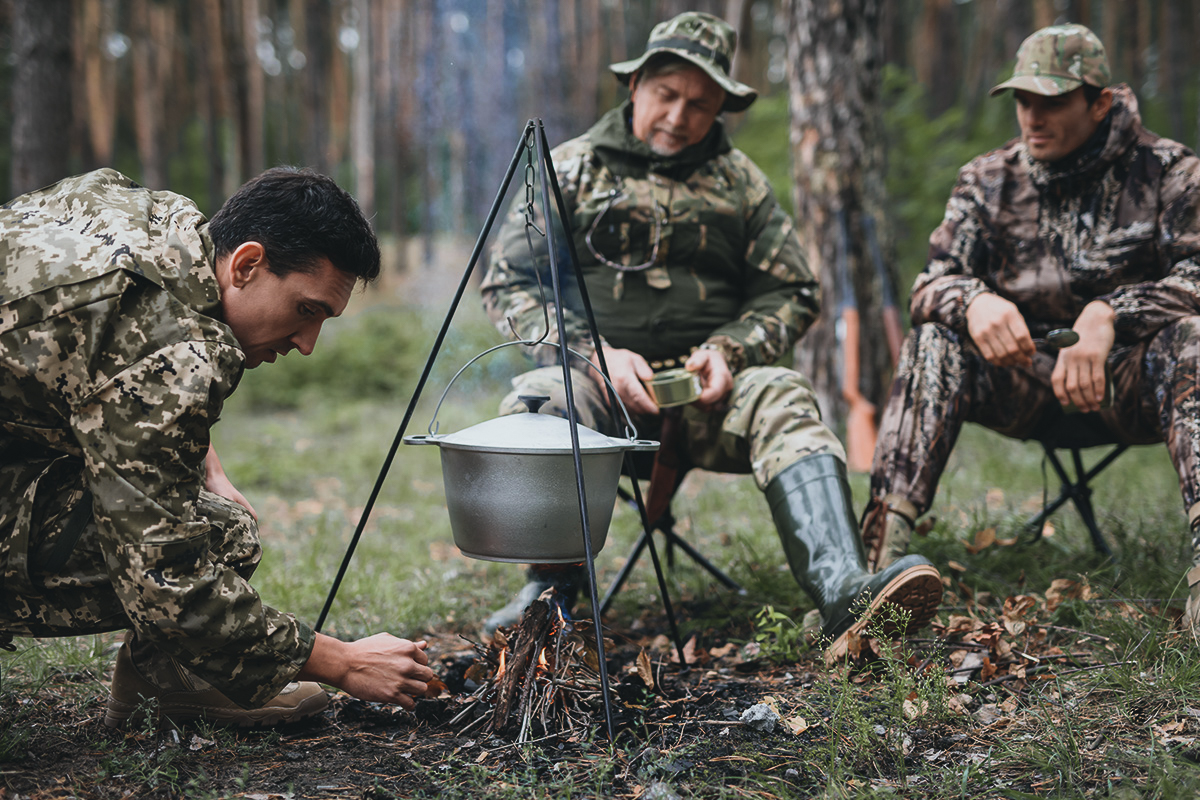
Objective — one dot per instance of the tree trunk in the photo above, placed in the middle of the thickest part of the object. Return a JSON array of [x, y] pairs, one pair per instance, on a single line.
[[938, 60], [152, 30], [251, 131], [362, 145], [99, 84], [41, 93], [834, 65]]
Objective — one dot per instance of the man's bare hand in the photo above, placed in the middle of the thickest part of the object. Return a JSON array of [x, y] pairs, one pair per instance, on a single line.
[[716, 381], [381, 668], [999, 331], [218, 483], [627, 370], [1079, 375]]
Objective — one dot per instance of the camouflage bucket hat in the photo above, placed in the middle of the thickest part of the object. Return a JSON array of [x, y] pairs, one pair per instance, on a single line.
[[706, 41], [1057, 60]]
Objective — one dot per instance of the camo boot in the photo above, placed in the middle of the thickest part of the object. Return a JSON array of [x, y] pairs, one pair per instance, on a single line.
[[887, 530]]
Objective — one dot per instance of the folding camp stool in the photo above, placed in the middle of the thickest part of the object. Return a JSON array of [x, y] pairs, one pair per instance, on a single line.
[[666, 468], [1075, 433]]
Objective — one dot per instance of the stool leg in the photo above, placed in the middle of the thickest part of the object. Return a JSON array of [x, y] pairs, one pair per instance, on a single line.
[[1081, 496], [623, 575]]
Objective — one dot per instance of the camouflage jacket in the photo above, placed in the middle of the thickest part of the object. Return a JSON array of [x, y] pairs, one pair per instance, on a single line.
[[113, 361], [697, 250], [1118, 220]]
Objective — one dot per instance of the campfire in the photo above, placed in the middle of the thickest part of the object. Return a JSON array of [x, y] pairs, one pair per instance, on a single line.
[[541, 678]]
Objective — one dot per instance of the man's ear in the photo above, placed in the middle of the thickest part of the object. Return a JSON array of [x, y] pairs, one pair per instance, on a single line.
[[248, 258], [1102, 106]]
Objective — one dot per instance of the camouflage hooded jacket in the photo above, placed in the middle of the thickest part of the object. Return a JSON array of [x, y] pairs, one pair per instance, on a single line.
[[113, 365], [676, 252], [1118, 220]]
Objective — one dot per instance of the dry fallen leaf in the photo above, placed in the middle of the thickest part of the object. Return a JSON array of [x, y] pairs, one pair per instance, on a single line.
[[995, 499], [983, 540], [645, 670], [796, 725]]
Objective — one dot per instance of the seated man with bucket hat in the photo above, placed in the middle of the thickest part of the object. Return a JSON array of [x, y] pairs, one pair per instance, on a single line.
[[1086, 221], [126, 319], [690, 261]]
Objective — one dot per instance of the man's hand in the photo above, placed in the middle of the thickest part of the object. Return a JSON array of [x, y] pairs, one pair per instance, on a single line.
[[216, 482], [627, 370], [999, 331], [1079, 375], [381, 668], [716, 381]]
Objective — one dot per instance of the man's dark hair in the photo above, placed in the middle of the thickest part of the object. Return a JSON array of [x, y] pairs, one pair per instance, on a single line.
[[298, 216], [1091, 93]]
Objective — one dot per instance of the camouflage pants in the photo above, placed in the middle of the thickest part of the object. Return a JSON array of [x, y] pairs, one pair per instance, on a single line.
[[52, 590], [771, 420], [943, 381]]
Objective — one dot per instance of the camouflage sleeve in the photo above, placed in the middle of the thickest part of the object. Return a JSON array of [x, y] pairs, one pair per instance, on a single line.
[[1142, 309], [782, 296], [520, 260], [144, 435], [957, 255]]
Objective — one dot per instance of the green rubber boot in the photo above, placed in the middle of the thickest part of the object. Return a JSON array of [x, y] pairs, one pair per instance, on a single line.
[[810, 503]]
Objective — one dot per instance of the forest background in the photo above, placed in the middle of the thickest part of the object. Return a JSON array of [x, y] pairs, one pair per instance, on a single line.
[[416, 106]]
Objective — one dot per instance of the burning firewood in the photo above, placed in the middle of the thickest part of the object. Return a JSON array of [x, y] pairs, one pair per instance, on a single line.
[[540, 677]]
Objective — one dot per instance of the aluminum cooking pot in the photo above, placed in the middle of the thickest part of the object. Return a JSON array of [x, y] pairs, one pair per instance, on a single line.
[[511, 491]]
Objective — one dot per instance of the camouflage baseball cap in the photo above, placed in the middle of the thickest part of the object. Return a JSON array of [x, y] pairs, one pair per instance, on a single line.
[[706, 41], [1057, 60]]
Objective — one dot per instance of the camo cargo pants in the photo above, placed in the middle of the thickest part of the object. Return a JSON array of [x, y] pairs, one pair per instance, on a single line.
[[771, 420], [943, 381], [52, 590]]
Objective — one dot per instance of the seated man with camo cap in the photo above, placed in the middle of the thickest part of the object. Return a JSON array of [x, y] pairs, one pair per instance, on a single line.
[[1087, 221], [690, 261]]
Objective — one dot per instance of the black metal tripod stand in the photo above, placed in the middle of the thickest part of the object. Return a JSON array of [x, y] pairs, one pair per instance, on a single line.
[[533, 145]]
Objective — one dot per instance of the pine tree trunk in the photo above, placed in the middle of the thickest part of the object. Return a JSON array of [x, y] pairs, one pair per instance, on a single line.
[[834, 65], [41, 93], [362, 144]]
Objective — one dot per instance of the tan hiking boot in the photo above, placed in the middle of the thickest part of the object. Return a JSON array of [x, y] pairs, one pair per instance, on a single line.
[[1191, 612], [181, 697], [887, 531]]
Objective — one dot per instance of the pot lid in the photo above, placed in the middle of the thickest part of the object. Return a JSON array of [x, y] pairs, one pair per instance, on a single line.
[[531, 432]]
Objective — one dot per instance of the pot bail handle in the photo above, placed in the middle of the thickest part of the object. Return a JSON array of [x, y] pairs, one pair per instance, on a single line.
[[630, 429], [534, 402]]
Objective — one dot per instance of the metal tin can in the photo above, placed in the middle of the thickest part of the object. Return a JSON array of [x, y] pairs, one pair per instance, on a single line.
[[674, 387]]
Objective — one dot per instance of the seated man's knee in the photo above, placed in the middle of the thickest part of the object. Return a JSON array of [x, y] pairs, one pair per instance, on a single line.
[[1182, 340]]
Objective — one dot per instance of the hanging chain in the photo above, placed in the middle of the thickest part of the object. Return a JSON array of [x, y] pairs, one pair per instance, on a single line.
[[530, 174]]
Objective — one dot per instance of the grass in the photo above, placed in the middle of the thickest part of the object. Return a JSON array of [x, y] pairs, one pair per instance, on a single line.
[[308, 461]]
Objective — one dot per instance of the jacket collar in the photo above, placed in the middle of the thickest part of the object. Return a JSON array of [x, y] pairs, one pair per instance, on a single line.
[[1115, 135], [630, 157]]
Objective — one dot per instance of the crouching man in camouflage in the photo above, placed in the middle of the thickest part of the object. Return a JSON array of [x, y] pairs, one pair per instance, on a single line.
[[126, 319], [1087, 221], [690, 261]]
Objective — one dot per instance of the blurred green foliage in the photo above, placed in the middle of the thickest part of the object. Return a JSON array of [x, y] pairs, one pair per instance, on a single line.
[[379, 353]]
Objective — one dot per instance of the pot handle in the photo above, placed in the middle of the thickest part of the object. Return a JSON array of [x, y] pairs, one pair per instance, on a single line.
[[630, 428], [420, 439]]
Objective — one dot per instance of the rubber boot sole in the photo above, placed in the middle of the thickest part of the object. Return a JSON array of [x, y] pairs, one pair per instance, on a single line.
[[917, 590]]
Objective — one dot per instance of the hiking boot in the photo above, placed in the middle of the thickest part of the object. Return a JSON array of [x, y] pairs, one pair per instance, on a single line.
[[887, 530], [1191, 612], [179, 696], [565, 578], [810, 504]]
